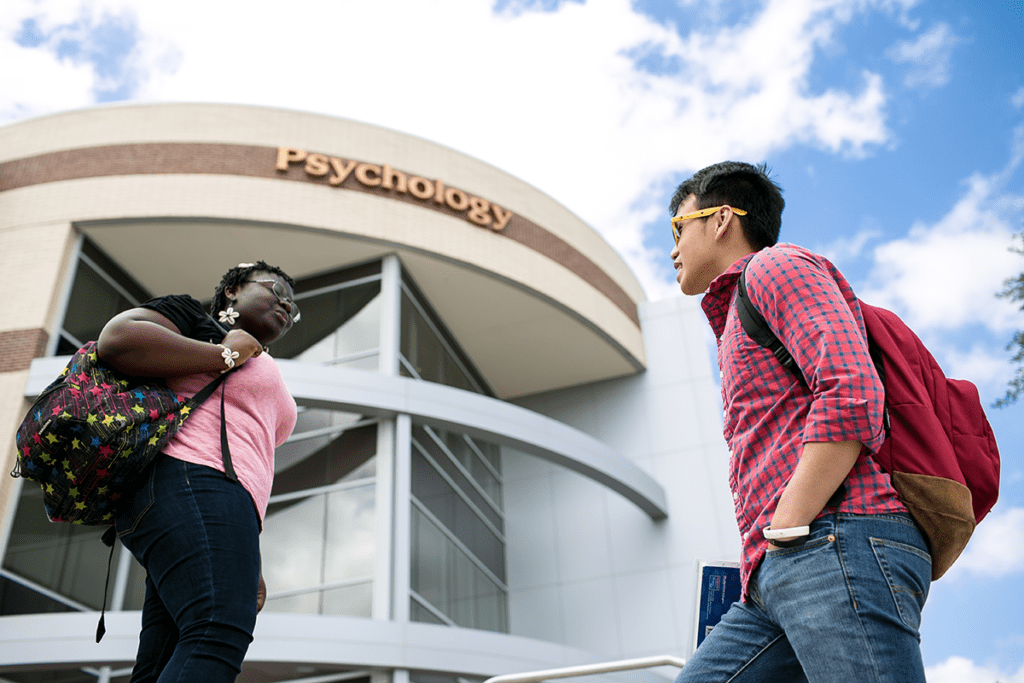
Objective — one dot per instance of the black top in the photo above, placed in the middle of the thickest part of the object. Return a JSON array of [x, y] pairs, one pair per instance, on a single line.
[[188, 315]]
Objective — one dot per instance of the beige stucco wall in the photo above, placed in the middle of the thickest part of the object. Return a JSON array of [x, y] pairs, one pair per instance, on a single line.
[[34, 258], [315, 133]]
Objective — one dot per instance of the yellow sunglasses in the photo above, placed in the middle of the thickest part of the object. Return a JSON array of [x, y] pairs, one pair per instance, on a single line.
[[699, 214]]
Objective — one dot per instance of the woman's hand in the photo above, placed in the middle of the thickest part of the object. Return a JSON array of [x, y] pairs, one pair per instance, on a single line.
[[242, 343], [261, 593]]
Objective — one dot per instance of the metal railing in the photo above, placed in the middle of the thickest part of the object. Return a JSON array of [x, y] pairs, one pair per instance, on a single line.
[[588, 669]]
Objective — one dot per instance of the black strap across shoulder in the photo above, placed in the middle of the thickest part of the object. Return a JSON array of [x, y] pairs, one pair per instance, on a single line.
[[757, 329], [110, 535]]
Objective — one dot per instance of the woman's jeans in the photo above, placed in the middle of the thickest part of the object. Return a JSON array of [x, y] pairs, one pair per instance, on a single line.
[[197, 535], [843, 607]]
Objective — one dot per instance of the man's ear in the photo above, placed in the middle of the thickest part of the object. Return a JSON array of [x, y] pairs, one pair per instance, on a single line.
[[724, 222]]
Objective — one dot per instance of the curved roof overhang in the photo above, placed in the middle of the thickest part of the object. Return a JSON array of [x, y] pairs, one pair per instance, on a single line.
[[369, 393], [176, 194]]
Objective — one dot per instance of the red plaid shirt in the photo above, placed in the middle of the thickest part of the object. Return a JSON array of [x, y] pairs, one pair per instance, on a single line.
[[769, 415]]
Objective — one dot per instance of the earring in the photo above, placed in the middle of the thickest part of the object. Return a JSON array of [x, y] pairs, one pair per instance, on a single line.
[[229, 316]]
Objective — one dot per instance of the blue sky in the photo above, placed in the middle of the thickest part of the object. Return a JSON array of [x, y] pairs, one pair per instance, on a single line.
[[896, 128]]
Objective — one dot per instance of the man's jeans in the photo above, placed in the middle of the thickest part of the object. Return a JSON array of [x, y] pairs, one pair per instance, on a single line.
[[844, 607], [197, 535]]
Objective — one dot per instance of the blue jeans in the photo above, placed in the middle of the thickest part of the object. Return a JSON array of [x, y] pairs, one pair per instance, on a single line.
[[197, 535], [843, 607]]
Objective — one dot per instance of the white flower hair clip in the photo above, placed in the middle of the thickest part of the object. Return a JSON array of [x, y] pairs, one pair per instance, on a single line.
[[229, 316], [246, 265]]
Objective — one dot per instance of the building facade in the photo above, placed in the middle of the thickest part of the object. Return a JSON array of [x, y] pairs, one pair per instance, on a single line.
[[505, 460]]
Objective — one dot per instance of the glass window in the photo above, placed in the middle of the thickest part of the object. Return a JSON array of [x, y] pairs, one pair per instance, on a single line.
[[319, 547], [419, 612], [301, 603], [443, 575], [351, 601], [479, 459], [100, 290], [93, 302], [428, 352], [135, 591], [435, 443], [320, 453], [340, 320], [458, 550], [18, 598], [349, 534], [68, 559], [292, 544], [318, 553], [443, 501]]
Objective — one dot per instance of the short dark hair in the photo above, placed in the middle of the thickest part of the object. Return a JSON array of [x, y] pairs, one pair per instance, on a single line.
[[741, 186], [238, 276]]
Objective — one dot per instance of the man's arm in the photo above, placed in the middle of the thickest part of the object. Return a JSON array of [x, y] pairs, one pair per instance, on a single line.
[[820, 471], [804, 302]]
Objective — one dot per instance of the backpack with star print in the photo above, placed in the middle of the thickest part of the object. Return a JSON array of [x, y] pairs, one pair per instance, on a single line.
[[92, 433]]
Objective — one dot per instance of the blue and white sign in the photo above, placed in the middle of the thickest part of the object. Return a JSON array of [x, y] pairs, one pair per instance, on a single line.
[[718, 586]]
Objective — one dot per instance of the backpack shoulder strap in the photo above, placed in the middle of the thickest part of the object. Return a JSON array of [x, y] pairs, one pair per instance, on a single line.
[[758, 330]]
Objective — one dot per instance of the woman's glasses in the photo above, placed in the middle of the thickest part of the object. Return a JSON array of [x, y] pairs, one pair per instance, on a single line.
[[283, 296]]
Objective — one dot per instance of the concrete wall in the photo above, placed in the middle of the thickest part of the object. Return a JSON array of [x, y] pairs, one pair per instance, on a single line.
[[586, 568]]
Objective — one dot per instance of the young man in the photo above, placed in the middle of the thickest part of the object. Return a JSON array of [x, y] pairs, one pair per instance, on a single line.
[[836, 596]]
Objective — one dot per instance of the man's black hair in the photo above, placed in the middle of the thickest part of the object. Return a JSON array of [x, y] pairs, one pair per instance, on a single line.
[[238, 276], [741, 186]]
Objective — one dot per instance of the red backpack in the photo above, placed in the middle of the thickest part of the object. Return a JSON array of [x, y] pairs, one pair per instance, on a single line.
[[939, 450]]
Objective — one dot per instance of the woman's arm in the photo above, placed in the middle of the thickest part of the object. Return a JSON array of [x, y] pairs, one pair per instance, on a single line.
[[144, 343]]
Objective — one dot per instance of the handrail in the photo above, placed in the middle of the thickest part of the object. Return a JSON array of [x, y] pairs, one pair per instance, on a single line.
[[586, 669]]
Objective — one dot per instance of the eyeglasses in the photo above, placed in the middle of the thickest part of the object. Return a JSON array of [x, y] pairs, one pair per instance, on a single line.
[[283, 295], [699, 214]]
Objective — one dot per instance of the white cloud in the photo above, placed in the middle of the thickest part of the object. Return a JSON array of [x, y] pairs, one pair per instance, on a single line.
[[1018, 99], [928, 56], [987, 367], [553, 97], [961, 670], [996, 549], [43, 80], [42, 83], [945, 276], [845, 248]]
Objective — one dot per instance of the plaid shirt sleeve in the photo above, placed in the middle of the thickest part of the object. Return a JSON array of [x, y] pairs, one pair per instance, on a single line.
[[815, 314]]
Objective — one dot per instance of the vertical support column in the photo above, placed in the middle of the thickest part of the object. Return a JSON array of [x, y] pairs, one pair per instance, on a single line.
[[401, 535], [384, 524], [124, 563], [390, 315], [391, 573]]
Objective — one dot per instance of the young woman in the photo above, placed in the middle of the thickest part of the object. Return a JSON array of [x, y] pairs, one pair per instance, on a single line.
[[194, 528]]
